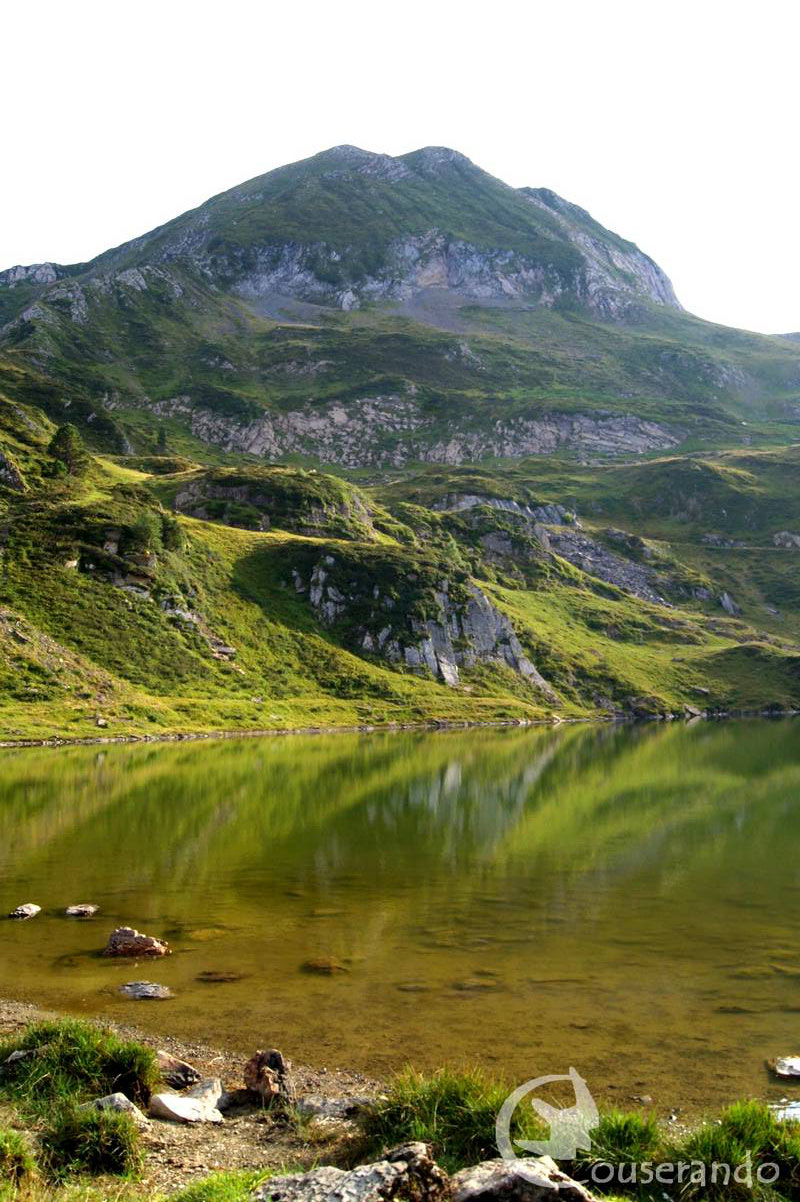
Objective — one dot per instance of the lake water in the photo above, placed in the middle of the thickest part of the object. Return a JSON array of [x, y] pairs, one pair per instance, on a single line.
[[621, 899]]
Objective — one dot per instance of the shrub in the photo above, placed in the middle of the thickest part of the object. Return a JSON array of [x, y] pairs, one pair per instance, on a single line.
[[144, 534], [68, 452], [16, 1162], [455, 1112], [90, 1141], [75, 1061]]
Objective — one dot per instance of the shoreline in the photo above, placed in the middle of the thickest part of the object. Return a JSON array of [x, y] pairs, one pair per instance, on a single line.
[[386, 728]]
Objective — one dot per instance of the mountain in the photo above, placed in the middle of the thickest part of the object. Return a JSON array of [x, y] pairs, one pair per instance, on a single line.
[[362, 310], [548, 488]]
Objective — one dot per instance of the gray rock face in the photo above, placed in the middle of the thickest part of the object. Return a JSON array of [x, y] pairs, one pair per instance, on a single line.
[[10, 475], [466, 629], [407, 1172], [729, 605], [548, 515], [531, 1180], [638, 579], [394, 430], [36, 273]]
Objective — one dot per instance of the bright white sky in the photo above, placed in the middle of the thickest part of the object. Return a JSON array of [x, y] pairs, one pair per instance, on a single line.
[[675, 123]]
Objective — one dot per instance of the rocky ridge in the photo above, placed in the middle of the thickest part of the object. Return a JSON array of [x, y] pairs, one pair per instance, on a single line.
[[392, 430]]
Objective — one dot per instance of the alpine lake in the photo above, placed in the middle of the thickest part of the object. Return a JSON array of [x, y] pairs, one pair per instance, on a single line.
[[622, 899]]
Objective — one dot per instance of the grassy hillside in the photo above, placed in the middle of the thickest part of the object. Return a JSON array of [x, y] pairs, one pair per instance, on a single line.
[[121, 616]]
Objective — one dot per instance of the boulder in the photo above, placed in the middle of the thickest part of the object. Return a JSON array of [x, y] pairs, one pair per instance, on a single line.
[[270, 1075], [181, 1108], [125, 941], [28, 910], [177, 1073], [81, 910], [529, 1180], [406, 1172], [118, 1101], [146, 991]]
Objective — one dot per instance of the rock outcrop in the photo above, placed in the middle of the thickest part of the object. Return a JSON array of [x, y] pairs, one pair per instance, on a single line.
[[439, 629], [394, 429], [407, 1172], [584, 552], [10, 475]]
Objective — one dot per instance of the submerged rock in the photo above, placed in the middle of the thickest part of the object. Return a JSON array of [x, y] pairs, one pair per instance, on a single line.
[[324, 967], [27, 910], [406, 1172], [81, 910], [146, 991], [125, 941]]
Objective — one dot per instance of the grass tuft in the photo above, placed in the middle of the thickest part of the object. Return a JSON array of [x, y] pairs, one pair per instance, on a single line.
[[16, 1161], [454, 1112], [71, 1061], [90, 1141]]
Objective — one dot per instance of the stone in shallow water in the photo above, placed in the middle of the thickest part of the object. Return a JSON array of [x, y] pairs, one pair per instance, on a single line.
[[219, 978], [324, 967], [28, 910], [146, 991], [126, 941], [81, 910], [788, 1066]]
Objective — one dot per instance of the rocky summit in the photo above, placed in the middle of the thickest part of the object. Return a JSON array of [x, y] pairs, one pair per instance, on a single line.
[[377, 439]]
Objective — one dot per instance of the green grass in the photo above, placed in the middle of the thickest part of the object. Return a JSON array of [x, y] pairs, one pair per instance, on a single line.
[[90, 1142], [70, 1061], [16, 1160], [235, 1186], [455, 1112]]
